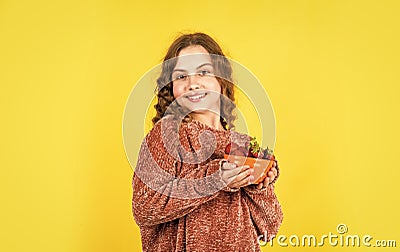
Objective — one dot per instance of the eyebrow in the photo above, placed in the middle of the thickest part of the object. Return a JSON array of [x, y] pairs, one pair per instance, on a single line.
[[183, 70]]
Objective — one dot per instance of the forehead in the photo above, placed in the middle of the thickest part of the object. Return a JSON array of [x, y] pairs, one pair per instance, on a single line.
[[192, 57]]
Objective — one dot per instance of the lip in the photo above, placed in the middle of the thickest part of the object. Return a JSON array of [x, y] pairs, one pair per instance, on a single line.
[[196, 96]]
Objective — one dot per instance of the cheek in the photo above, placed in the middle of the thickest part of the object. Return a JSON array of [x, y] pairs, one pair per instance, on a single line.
[[177, 91], [217, 87]]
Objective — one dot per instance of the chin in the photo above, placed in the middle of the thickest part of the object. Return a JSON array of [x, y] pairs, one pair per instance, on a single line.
[[204, 111]]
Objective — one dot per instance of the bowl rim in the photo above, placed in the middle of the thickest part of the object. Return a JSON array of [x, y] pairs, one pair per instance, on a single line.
[[247, 157]]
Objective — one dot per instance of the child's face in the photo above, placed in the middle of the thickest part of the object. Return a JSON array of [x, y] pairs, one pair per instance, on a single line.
[[194, 83]]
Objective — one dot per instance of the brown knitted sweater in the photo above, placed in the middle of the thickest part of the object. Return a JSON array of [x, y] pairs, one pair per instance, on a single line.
[[181, 203]]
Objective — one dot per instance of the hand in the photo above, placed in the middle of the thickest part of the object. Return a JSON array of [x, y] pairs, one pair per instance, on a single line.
[[236, 176], [273, 172]]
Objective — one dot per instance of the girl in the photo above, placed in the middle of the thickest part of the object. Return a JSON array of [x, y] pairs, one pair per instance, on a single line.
[[186, 196]]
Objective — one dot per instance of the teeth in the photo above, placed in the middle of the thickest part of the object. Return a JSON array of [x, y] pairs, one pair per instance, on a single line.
[[196, 97]]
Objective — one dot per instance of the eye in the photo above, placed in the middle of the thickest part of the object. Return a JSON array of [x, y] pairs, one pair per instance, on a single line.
[[181, 77], [204, 72]]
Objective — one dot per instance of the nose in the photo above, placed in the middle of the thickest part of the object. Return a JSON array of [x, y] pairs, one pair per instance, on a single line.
[[193, 82]]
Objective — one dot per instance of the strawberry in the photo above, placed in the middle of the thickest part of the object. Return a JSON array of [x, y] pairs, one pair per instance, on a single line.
[[268, 154], [254, 147], [242, 150], [251, 149], [258, 154], [228, 148], [231, 147]]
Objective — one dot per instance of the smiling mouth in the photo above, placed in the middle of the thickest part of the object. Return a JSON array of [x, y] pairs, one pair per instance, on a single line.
[[196, 97]]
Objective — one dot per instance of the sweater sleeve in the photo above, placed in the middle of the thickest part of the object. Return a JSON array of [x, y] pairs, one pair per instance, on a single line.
[[265, 210], [161, 191]]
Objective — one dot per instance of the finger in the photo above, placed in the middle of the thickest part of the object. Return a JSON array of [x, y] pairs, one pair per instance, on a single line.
[[236, 171], [266, 182], [271, 176], [231, 173], [260, 185], [228, 166], [243, 175], [244, 182], [272, 171], [275, 171], [233, 180]]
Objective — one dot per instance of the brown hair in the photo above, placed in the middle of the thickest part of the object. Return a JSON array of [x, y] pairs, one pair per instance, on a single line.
[[223, 74]]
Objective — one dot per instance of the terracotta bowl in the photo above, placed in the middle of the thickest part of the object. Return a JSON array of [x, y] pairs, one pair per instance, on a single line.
[[260, 166]]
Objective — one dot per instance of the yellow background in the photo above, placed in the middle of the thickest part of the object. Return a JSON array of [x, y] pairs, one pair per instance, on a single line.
[[331, 69]]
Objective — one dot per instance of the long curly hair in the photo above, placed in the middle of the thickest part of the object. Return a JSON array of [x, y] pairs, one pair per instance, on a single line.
[[223, 73]]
